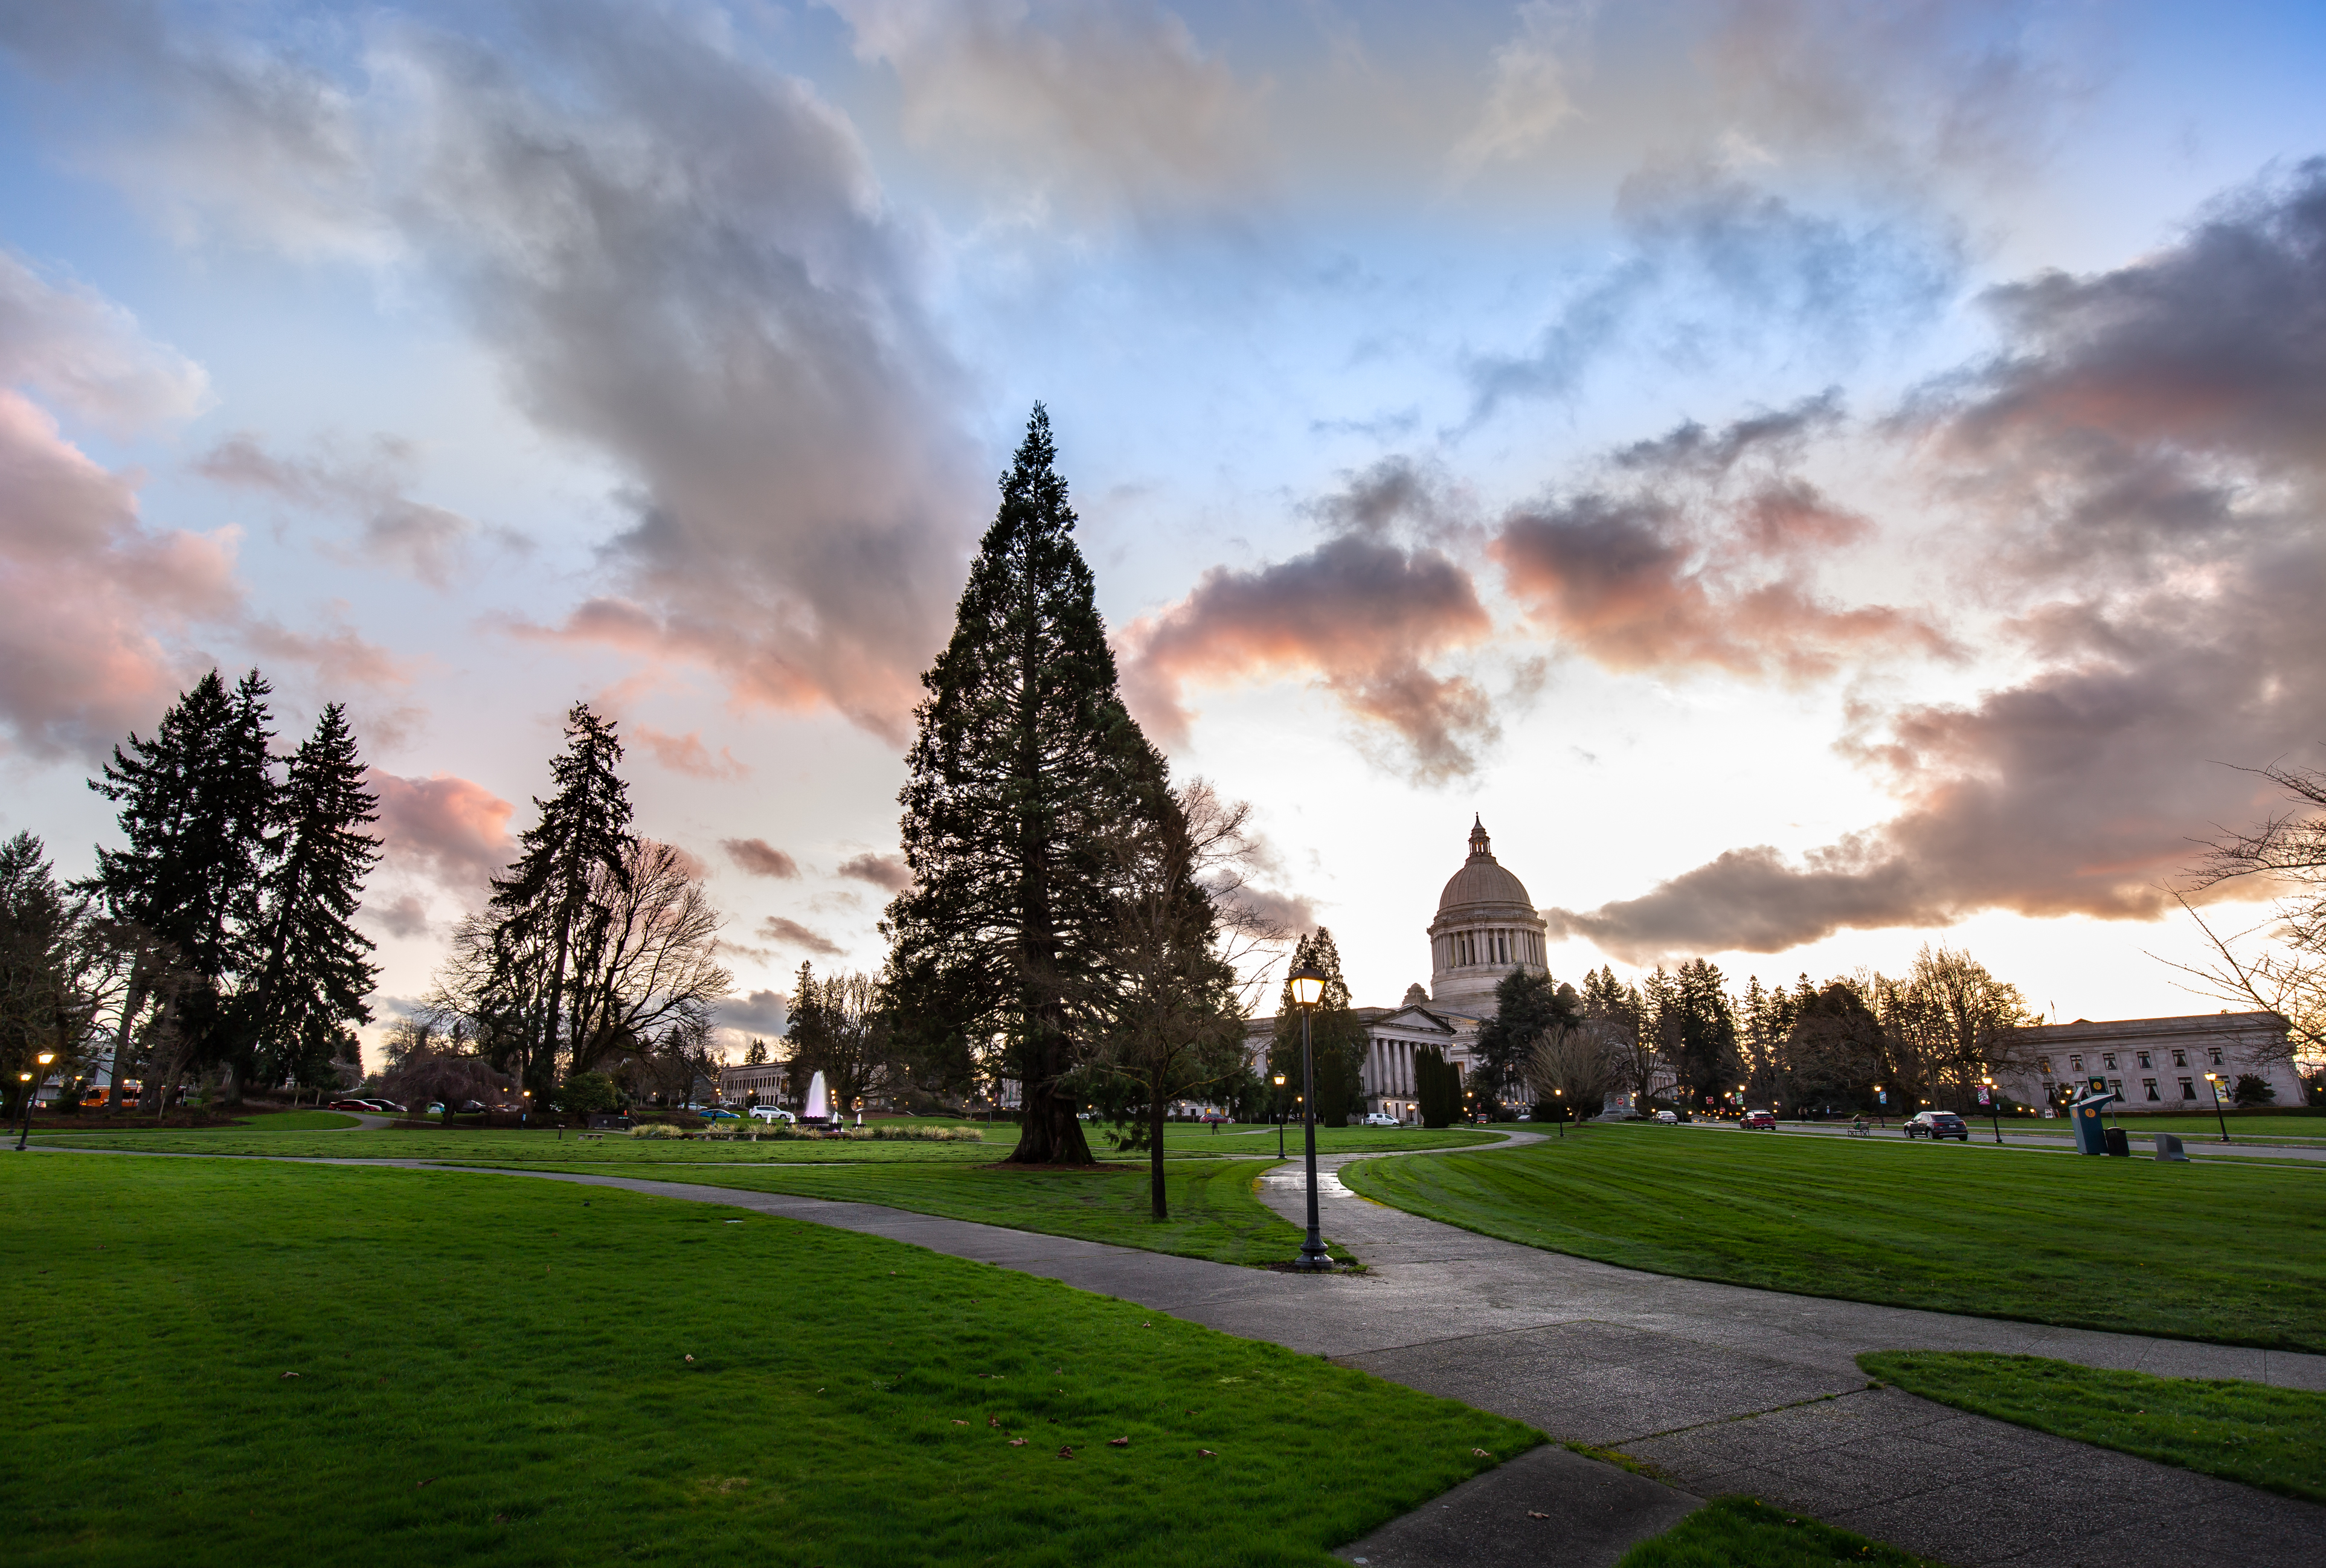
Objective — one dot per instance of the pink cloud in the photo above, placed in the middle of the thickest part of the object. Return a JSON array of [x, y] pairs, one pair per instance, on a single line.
[[686, 754], [447, 827]]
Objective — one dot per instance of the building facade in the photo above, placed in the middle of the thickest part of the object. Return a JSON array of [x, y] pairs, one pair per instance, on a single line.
[[1485, 929], [2152, 1064]]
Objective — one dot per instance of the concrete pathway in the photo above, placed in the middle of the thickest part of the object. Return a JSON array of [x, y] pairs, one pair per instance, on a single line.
[[1721, 1387]]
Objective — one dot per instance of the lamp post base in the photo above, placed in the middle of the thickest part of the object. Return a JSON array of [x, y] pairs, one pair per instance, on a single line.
[[1317, 1262]]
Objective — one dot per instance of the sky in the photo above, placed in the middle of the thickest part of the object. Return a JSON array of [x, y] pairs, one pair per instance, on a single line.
[[1816, 479]]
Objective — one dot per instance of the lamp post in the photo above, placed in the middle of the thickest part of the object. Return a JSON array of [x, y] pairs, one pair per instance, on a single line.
[[1993, 1111], [2213, 1082], [1307, 989], [32, 1083], [528, 1111], [1279, 1115]]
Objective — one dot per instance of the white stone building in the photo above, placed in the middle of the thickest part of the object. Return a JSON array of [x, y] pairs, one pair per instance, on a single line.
[[2152, 1064], [1485, 929]]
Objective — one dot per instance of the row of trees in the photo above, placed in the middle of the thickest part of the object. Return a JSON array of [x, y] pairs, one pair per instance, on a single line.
[[219, 938], [1932, 1034]]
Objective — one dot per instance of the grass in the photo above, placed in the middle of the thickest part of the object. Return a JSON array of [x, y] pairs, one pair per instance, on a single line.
[[1215, 1214], [2105, 1244], [501, 1146], [2266, 1437], [2242, 1129], [1194, 1139], [218, 1362], [1746, 1533]]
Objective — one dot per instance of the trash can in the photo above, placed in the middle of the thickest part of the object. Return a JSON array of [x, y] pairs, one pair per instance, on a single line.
[[2168, 1147], [2117, 1143]]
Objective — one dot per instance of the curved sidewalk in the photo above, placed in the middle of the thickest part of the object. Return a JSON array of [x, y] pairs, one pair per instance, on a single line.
[[1722, 1387]]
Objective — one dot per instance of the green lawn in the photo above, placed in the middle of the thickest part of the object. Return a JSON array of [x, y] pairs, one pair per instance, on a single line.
[[2271, 1438], [1746, 1533], [1195, 1138], [512, 1147], [2242, 1129], [1215, 1214], [221, 1362], [2105, 1244]]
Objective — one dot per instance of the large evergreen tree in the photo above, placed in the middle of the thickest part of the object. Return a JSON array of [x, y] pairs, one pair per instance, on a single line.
[[198, 804], [548, 918], [314, 972], [1337, 1038], [1024, 761]]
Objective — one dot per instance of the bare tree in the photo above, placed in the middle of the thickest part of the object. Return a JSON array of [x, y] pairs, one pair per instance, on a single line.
[[441, 1071], [1166, 1021], [1951, 1020], [839, 1027], [1573, 1065]]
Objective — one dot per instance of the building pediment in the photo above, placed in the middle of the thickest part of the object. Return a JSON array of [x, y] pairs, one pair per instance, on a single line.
[[1414, 1020]]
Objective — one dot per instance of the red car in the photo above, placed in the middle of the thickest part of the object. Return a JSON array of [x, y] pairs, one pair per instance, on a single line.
[[1759, 1121]]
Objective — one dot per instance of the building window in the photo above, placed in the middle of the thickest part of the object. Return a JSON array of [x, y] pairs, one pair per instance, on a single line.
[[2144, 1059], [2115, 1087], [2107, 1059], [2214, 1053], [2044, 1063], [2179, 1059], [2076, 1062], [2150, 1084], [2188, 1088]]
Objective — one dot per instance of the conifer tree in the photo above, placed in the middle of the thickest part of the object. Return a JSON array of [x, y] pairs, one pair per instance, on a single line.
[[545, 923], [197, 810], [1024, 760], [315, 973], [1337, 1038], [1528, 1004]]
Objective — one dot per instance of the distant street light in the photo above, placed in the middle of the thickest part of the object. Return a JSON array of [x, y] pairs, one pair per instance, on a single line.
[[2213, 1082], [32, 1088], [1279, 1115], [1307, 984], [528, 1109], [1993, 1111]]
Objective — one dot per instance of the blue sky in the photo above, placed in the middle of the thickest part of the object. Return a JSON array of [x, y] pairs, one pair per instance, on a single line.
[[1817, 478]]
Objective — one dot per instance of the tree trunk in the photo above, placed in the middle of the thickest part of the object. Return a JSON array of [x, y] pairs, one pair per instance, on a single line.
[[1158, 1203], [1050, 1133]]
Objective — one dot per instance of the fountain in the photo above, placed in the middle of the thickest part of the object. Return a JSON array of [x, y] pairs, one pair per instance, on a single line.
[[817, 1111]]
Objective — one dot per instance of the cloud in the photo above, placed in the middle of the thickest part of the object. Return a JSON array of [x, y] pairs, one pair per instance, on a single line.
[[776, 928], [686, 754], [1295, 912], [405, 916], [425, 542], [449, 829], [81, 352], [676, 255], [1716, 265], [1103, 109], [1530, 97], [759, 857], [1701, 550], [1360, 612], [2144, 490], [340, 657], [760, 1013], [885, 871]]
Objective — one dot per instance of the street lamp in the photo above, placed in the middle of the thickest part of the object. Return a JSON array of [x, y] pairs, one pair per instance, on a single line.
[[31, 1087], [1279, 1115], [528, 1109], [1307, 984], [1993, 1111], [2213, 1082]]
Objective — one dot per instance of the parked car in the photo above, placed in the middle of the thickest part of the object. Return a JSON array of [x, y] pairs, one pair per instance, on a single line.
[[1759, 1121], [774, 1113], [1382, 1119], [720, 1116], [1668, 1116], [1938, 1124], [363, 1106]]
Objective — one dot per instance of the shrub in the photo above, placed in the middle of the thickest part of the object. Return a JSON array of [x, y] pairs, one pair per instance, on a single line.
[[2253, 1090], [588, 1091], [657, 1129]]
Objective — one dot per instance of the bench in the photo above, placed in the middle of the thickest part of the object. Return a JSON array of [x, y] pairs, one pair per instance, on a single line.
[[1859, 1132], [591, 1138]]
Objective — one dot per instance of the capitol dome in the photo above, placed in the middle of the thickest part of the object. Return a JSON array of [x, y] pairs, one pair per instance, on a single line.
[[1486, 929]]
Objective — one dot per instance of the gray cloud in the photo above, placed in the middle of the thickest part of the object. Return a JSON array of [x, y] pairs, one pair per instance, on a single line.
[[80, 351], [677, 256], [788, 932], [2171, 638], [427, 541], [759, 857], [1362, 614], [884, 871], [760, 1013], [405, 916], [450, 829], [1716, 265]]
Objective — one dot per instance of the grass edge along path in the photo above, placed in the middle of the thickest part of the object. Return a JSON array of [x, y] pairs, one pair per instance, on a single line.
[[1741, 1532], [1999, 1234], [386, 1366], [2255, 1433], [1216, 1213]]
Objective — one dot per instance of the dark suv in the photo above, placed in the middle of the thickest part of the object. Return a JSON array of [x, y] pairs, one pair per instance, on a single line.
[[1938, 1124]]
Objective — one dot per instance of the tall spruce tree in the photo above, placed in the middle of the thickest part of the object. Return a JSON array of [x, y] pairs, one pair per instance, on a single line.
[[1528, 1004], [198, 805], [1024, 761], [1337, 1038], [546, 925], [313, 974]]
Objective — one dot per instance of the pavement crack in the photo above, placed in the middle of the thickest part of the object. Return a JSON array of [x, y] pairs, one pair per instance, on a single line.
[[1749, 1414]]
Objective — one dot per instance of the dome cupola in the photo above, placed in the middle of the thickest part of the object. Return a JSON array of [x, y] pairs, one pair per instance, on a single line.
[[1486, 929]]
